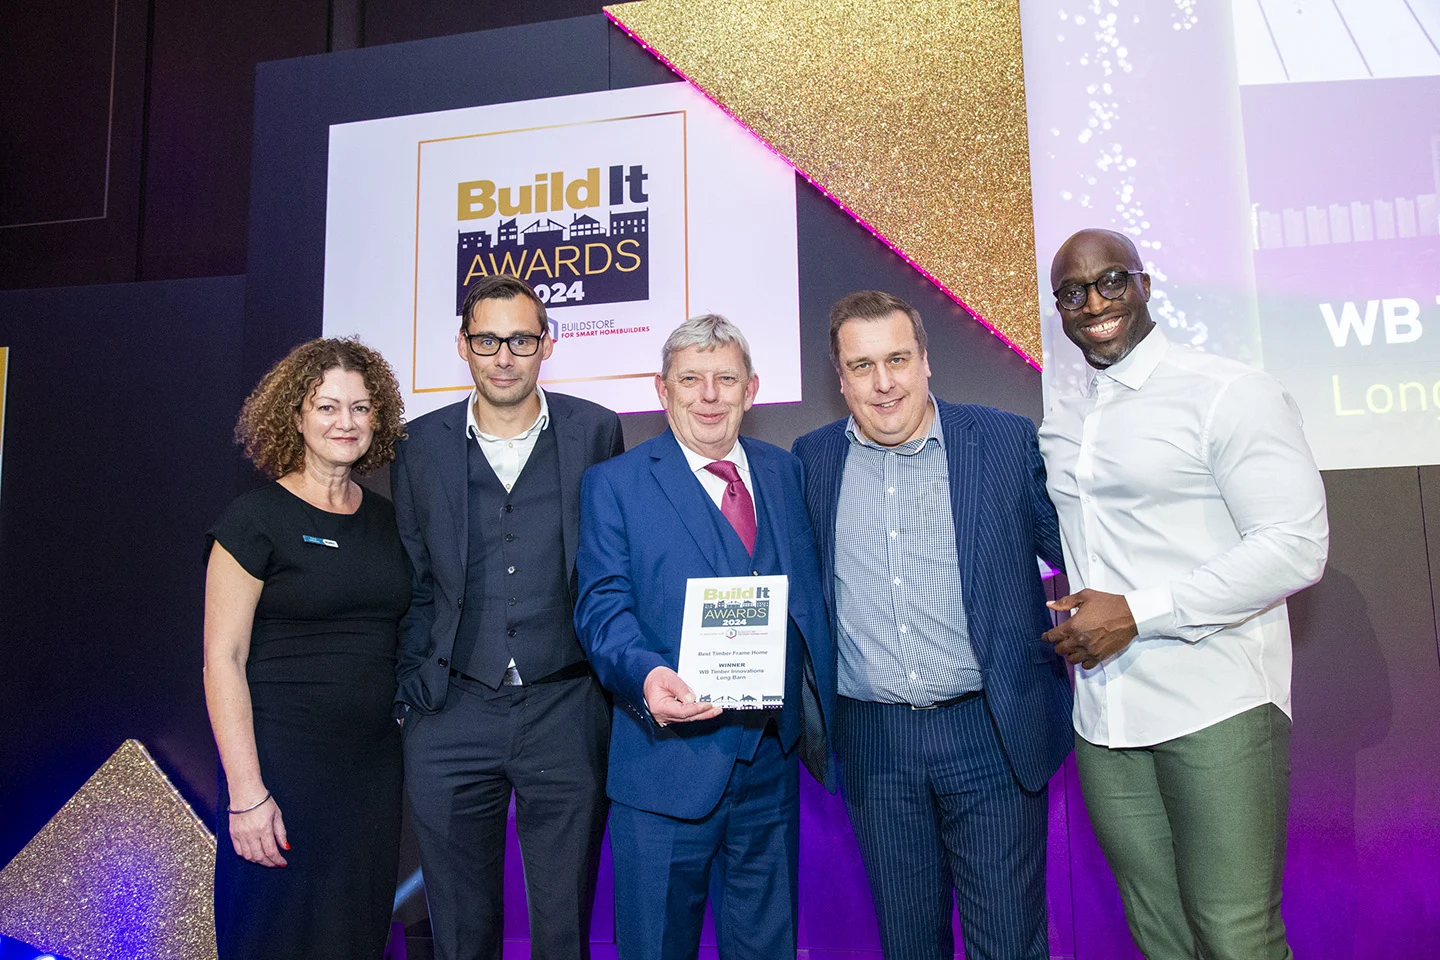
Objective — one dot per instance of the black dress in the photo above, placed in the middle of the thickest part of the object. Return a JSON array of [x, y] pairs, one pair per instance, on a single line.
[[321, 673]]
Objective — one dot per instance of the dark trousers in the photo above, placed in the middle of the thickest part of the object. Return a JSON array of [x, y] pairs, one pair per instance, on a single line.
[[549, 744], [939, 815], [745, 853], [1194, 831]]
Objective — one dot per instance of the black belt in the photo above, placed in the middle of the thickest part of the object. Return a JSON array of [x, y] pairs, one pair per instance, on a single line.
[[949, 703], [576, 670]]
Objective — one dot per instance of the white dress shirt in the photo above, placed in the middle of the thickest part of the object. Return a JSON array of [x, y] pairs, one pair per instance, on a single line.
[[507, 455], [1183, 481], [713, 485]]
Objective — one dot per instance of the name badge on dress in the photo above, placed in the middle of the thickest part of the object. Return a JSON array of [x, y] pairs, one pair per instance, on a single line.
[[321, 541]]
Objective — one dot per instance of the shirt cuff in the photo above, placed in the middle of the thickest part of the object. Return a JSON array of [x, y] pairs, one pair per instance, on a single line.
[[1154, 611]]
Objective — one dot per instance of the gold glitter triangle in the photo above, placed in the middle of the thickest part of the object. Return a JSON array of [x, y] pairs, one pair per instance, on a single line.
[[124, 869], [911, 115]]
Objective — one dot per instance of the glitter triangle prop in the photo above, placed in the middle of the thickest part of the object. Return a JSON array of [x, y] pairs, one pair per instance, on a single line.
[[124, 869], [909, 115]]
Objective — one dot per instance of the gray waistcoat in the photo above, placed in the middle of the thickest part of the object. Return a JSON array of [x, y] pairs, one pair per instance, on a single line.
[[517, 601]]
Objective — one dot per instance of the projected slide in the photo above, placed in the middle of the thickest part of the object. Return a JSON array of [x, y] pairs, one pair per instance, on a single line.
[[626, 211], [1341, 113], [1278, 164]]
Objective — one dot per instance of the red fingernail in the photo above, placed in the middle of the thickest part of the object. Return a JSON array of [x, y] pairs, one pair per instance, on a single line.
[[285, 844]]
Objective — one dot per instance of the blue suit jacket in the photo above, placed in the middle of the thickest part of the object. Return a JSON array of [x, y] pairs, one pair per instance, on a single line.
[[432, 507], [649, 527], [1003, 519]]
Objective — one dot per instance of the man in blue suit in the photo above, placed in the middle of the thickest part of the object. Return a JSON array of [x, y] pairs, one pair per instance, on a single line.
[[702, 799], [953, 712]]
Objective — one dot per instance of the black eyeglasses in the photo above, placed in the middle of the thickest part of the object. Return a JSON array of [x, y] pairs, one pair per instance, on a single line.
[[487, 344], [1111, 285]]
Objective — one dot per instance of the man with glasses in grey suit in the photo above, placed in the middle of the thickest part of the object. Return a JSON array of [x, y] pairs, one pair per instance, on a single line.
[[497, 696]]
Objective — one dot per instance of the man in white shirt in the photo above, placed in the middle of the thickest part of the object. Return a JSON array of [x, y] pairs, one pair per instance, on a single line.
[[1190, 507]]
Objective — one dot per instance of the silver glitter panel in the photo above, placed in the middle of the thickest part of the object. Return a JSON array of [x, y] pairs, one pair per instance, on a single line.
[[124, 870]]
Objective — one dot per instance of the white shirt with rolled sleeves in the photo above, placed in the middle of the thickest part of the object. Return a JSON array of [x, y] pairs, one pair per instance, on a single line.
[[1183, 481]]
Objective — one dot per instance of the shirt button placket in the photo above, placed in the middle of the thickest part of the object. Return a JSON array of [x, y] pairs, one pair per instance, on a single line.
[[1084, 477], [897, 584]]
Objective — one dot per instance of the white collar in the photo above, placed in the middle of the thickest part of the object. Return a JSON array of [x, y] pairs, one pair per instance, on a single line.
[[698, 461], [1137, 365], [472, 427]]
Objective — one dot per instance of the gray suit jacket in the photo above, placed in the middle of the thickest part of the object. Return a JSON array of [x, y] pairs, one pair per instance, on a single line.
[[429, 485]]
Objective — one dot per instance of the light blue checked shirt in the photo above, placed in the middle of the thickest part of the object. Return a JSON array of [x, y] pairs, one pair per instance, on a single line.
[[904, 637]]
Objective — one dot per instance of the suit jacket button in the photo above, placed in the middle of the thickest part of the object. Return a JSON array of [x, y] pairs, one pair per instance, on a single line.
[[510, 632], [443, 662]]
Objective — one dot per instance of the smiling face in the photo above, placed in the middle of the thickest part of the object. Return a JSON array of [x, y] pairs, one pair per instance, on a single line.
[[705, 394], [885, 378], [1104, 330], [503, 379], [335, 421]]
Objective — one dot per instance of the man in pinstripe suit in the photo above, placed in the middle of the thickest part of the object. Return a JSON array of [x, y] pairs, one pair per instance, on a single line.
[[953, 712]]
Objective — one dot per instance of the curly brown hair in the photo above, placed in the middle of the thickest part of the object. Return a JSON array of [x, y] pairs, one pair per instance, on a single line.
[[267, 430]]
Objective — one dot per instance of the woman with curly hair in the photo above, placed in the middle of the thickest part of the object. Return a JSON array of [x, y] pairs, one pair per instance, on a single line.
[[306, 582]]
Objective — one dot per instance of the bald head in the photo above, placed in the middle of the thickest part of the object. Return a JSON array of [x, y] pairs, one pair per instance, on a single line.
[[1104, 268], [1120, 248]]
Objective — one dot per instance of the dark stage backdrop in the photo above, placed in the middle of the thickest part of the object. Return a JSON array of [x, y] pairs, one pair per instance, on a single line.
[[125, 125], [117, 455]]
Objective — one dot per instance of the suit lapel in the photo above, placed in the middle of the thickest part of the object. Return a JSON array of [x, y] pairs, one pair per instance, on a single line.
[[570, 448], [831, 476], [963, 458], [769, 496], [689, 500], [451, 471]]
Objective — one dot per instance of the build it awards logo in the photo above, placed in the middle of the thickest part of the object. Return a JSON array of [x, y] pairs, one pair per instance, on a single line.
[[591, 215], [736, 607], [585, 240]]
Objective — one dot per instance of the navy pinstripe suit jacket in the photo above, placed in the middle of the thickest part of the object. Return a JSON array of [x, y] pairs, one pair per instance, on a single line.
[[1003, 519]]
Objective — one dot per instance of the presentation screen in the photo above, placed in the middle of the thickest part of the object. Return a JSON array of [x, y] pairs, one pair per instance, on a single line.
[[627, 211], [1277, 162]]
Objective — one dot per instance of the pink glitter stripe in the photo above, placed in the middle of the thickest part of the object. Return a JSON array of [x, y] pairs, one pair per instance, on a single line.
[[821, 187]]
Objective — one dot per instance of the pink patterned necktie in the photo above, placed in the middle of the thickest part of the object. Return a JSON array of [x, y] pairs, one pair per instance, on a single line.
[[736, 504]]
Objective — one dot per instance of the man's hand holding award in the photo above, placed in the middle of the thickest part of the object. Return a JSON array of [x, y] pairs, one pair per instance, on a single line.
[[732, 651]]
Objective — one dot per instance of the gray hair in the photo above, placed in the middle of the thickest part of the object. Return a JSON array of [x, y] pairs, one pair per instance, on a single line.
[[705, 332]]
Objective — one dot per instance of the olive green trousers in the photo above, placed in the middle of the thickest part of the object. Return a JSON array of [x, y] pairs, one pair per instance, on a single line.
[[1194, 832]]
